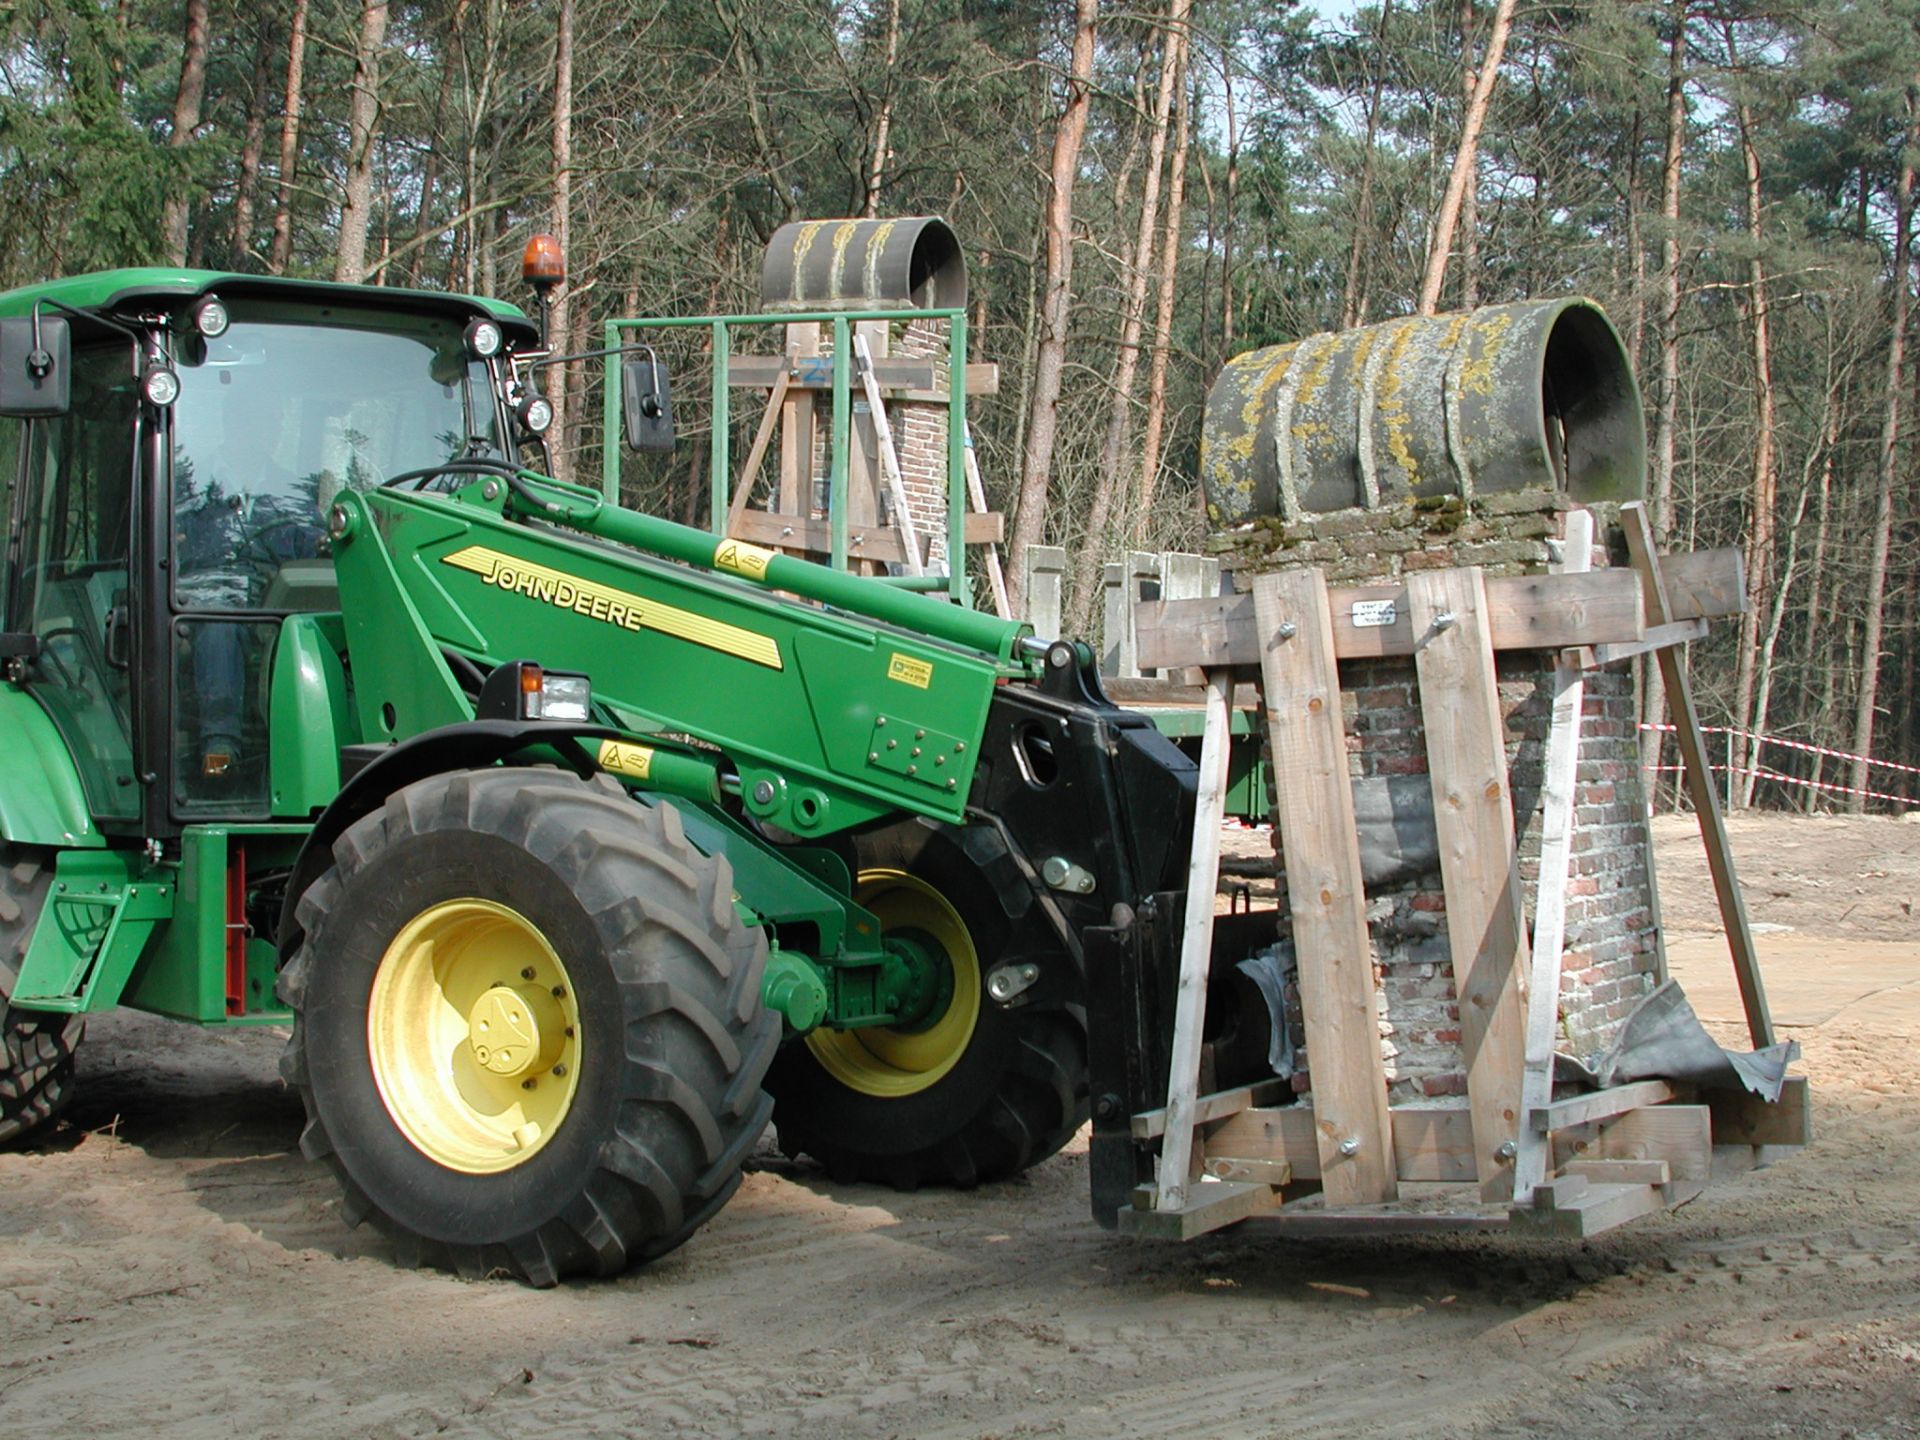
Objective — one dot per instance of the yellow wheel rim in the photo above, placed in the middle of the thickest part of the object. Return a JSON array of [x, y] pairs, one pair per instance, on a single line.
[[888, 1062], [474, 1034]]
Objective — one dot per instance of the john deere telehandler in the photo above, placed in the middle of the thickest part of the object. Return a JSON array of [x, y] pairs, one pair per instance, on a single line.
[[571, 842]]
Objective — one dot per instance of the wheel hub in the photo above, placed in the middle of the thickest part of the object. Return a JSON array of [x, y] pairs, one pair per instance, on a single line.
[[474, 1035], [505, 1030]]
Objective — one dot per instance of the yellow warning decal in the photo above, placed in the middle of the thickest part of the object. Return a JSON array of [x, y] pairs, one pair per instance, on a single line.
[[625, 759], [909, 671], [742, 559], [611, 606]]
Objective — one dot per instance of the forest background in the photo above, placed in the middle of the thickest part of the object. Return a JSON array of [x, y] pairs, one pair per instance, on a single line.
[[1142, 191]]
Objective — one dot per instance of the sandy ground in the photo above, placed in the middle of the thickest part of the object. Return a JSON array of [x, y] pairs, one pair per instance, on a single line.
[[170, 1267]]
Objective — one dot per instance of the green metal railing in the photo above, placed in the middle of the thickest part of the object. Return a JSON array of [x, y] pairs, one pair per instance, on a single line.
[[721, 328]]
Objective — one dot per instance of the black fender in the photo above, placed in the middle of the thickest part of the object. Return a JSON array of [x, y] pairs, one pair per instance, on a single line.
[[470, 745]]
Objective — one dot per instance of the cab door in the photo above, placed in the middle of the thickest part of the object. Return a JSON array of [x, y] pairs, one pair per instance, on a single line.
[[69, 578]]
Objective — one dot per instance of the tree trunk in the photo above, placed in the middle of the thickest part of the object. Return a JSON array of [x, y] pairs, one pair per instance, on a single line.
[[1470, 196], [1765, 480], [186, 119], [253, 141], [1107, 483], [1863, 718], [1171, 247], [560, 385], [1036, 470], [882, 130], [363, 128], [282, 250], [1667, 414], [1465, 159], [1353, 300]]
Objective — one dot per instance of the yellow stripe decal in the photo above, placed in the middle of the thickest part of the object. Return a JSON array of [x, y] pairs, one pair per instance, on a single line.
[[611, 606]]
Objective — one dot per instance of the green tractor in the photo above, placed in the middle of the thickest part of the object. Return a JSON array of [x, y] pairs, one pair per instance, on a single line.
[[571, 842]]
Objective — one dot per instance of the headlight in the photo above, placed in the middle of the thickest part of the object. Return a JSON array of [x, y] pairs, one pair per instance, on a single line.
[[210, 317], [535, 414], [547, 695], [484, 339], [159, 384]]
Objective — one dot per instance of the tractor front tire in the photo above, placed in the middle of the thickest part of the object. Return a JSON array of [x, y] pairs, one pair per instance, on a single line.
[[527, 1025], [984, 1093], [36, 1047]]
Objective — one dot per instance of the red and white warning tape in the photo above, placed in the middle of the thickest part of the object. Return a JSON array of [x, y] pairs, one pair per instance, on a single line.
[[1761, 772]]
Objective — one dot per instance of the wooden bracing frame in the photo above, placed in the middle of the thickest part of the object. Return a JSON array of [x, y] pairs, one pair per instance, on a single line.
[[1571, 1167]]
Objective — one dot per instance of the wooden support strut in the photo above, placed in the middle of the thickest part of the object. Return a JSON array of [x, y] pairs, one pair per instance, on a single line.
[[1196, 949], [1479, 864], [1558, 794], [1321, 842], [889, 457], [1706, 803]]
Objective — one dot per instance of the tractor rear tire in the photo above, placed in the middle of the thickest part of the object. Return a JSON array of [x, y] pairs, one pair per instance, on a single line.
[[621, 1123], [36, 1047], [1012, 1091]]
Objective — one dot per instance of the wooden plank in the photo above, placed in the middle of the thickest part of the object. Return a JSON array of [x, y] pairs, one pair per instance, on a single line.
[[1558, 792], [1681, 1136], [766, 527], [1479, 863], [1549, 612], [1620, 1172], [815, 372], [1706, 801], [1261, 1172], [743, 482], [1703, 585], [1311, 1223], [1659, 637], [796, 430], [1600, 1104], [1573, 1209], [977, 498], [1430, 1143], [1326, 891], [1217, 1106], [1215, 1204], [1196, 949], [1743, 1119]]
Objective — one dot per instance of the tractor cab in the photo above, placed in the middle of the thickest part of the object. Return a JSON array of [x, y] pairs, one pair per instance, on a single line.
[[167, 522]]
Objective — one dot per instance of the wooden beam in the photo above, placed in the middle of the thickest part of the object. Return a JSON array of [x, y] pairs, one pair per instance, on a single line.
[[1600, 1104], [743, 482], [1218, 1106], [1196, 949], [1706, 801], [1743, 1119], [880, 543], [1703, 584], [1430, 1143], [815, 372], [1479, 864], [1678, 1136], [1572, 1208], [1214, 1205], [889, 457], [1525, 612], [1326, 890], [796, 430], [1659, 637], [1558, 794]]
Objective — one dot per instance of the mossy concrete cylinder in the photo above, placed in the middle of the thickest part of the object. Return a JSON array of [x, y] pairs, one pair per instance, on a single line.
[[909, 262], [1539, 394]]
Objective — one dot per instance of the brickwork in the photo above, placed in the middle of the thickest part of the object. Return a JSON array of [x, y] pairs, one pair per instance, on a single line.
[[1609, 961], [920, 435]]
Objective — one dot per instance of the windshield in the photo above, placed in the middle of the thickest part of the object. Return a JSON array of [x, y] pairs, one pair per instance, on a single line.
[[290, 406]]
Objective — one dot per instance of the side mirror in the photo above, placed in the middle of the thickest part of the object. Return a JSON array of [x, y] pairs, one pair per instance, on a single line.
[[36, 367], [647, 405]]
